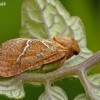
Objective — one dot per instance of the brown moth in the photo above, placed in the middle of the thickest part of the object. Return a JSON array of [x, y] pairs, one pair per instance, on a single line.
[[19, 55]]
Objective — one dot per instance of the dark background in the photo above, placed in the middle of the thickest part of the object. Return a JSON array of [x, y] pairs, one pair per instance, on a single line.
[[87, 10]]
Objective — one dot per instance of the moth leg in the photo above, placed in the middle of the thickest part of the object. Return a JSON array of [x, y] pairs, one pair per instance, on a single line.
[[41, 67], [62, 61]]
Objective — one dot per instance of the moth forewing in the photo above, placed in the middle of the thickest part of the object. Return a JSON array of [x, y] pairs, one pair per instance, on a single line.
[[41, 53]]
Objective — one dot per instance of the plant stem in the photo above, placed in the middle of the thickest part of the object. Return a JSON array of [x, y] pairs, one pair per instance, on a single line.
[[61, 72]]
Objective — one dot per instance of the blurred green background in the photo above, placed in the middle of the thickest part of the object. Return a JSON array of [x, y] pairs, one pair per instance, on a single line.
[[87, 10]]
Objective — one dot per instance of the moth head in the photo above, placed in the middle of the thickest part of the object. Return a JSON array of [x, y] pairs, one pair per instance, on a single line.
[[75, 47], [69, 42]]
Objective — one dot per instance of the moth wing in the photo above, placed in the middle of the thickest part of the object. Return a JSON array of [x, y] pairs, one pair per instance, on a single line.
[[9, 52], [40, 53]]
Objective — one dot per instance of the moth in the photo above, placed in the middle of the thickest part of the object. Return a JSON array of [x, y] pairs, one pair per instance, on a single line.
[[19, 55]]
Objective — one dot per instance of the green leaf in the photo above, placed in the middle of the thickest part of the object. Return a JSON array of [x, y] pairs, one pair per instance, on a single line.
[[46, 18], [12, 88], [94, 83], [93, 91], [55, 93], [82, 97]]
